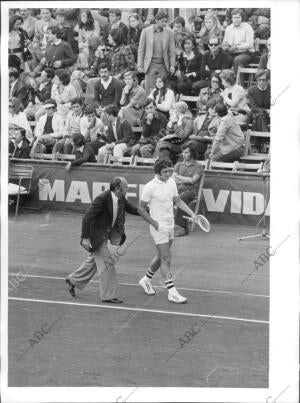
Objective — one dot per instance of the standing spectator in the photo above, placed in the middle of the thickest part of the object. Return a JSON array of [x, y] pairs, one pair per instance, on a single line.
[[213, 61], [213, 91], [239, 40], [16, 116], [259, 100], [132, 99], [88, 38], [19, 146], [153, 122], [93, 128], [67, 31], [234, 97], [134, 33], [114, 23], [28, 22], [17, 88], [163, 96], [83, 152], [181, 33], [122, 57], [211, 28], [108, 90], [62, 92], [156, 52], [188, 67], [228, 144], [18, 40], [49, 128]]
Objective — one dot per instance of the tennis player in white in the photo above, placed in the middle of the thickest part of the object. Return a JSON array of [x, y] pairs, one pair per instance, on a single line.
[[161, 194]]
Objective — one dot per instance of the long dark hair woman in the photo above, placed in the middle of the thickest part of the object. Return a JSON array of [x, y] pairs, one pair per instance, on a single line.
[[163, 96]]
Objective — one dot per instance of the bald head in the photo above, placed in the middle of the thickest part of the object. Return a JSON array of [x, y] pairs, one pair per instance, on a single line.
[[119, 186]]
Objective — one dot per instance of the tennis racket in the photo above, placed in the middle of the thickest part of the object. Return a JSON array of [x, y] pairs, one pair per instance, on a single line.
[[201, 221]]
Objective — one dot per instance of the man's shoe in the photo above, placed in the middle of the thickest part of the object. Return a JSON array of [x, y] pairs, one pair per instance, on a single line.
[[113, 301], [71, 287], [176, 297], [147, 286], [180, 231]]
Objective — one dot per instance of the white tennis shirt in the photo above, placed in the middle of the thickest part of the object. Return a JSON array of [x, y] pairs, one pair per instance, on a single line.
[[159, 195]]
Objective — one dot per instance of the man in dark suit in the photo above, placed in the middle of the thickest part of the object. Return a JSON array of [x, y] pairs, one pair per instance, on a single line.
[[103, 221], [17, 88], [83, 152], [19, 146]]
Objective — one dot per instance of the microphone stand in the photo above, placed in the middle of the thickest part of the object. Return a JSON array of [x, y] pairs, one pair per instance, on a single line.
[[264, 234]]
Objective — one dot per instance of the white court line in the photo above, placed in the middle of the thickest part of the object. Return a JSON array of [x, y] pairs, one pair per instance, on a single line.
[[140, 310], [136, 285]]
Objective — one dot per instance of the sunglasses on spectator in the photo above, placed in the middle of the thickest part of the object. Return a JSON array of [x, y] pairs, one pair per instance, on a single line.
[[213, 44]]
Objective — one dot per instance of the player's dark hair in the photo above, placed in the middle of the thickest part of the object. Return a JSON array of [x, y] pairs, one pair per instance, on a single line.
[[159, 165]]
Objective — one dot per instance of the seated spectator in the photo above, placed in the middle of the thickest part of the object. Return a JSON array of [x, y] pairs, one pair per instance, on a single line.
[[132, 99], [211, 28], [58, 52], [92, 128], [67, 31], [204, 130], [28, 22], [234, 97], [42, 92], [18, 40], [16, 116], [119, 138], [76, 123], [265, 59], [228, 144], [114, 23], [212, 92], [134, 33], [163, 96], [88, 38], [181, 126], [188, 71], [62, 92], [181, 33], [213, 61], [17, 88], [153, 122], [49, 129], [187, 175], [259, 100], [19, 145], [83, 152], [122, 56], [239, 40]]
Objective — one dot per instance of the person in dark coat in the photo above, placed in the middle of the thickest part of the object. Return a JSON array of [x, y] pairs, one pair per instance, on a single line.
[[19, 146], [83, 152]]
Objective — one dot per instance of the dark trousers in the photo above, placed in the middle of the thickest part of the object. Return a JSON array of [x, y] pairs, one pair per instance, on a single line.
[[187, 196]]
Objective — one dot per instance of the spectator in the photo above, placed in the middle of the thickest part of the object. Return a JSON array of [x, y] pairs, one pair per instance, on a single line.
[[67, 31], [153, 122], [17, 88], [88, 38], [213, 61], [134, 33], [62, 92], [212, 92], [18, 40], [40, 39], [83, 152], [28, 22], [239, 40], [93, 129], [119, 135], [42, 92], [156, 52], [122, 57], [76, 123], [163, 96], [181, 33], [49, 128], [211, 28], [205, 128], [108, 90], [16, 116], [265, 59], [188, 67], [234, 96], [132, 99], [259, 100], [228, 144], [181, 125], [19, 145], [58, 53], [114, 23], [187, 175]]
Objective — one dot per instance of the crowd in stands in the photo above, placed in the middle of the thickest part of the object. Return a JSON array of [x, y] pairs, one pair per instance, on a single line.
[[80, 81]]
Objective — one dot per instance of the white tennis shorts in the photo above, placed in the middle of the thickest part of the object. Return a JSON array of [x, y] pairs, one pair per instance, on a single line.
[[164, 234]]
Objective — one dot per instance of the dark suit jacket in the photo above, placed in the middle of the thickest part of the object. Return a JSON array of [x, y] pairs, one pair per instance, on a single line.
[[21, 92], [22, 152], [124, 132], [87, 155], [97, 221]]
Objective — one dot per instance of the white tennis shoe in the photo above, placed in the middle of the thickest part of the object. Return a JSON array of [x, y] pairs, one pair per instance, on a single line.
[[147, 286], [174, 296]]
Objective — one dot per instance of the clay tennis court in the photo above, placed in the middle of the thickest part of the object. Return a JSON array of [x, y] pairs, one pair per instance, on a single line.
[[56, 340]]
